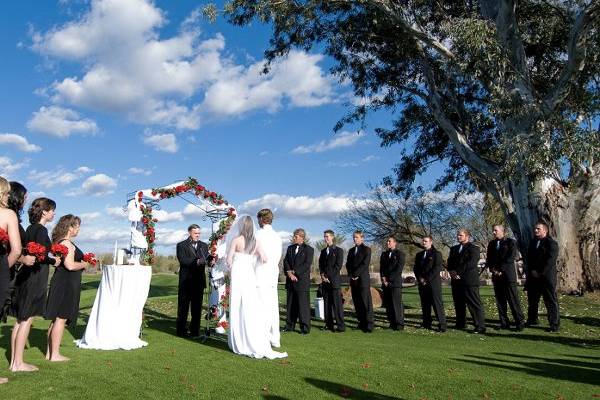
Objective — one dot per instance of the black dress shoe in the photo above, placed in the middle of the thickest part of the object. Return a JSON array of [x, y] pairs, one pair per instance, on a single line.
[[479, 331], [532, 323], [501, 327], [304, 332], [286, 329], [459, 328], [442, 329], [553, 330], [340, 330], [326, 328], [183, 334], [520, 327]]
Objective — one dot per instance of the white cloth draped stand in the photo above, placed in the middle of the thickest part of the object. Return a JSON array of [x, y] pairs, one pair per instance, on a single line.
[[116, 316]]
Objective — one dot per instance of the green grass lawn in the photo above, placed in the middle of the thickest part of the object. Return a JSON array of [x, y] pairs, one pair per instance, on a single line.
[[413, 364]]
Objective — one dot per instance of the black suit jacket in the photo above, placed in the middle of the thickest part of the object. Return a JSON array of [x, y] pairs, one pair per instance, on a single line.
[[357, 265], [188, 260], [428, 266], [502, 259], [465, 264], [391, 268], [299, 263], [543, 259], [331, 265]]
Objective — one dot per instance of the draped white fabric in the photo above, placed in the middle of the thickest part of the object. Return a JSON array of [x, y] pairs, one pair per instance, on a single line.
[[247, 326], [116, 316]]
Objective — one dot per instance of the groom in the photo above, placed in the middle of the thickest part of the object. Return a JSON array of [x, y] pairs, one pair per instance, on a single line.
[[267, 273]]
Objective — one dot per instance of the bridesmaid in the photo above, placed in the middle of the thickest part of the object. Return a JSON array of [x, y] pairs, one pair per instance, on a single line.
[[16, 202], [65, 287], [32, 282], [9, 224]]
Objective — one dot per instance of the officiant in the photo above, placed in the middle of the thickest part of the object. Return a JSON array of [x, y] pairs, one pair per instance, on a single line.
[[193, 258]]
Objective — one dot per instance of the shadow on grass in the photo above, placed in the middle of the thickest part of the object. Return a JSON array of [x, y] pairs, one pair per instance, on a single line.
[[569, 341], [589, 321], [555, 368], [346, 391], [92, 285]]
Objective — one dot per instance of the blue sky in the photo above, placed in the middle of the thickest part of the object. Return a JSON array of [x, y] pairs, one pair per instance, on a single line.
[[106, 97]]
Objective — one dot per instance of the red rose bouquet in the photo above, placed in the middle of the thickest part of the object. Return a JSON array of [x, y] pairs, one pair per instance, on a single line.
[[3, 236], [90, 258], [36, 250], [59, 250]]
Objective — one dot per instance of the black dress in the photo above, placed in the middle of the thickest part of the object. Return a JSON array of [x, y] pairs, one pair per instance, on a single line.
[[32, 282], [10, 300], [65, 289]]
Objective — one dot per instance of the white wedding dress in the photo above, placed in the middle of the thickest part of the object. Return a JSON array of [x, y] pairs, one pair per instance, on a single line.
[[247, 325]]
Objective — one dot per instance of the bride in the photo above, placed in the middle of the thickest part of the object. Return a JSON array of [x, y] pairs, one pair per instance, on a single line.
[[247, 329]]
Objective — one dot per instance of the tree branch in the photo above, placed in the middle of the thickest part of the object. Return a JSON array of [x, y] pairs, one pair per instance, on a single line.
[[576, 53]]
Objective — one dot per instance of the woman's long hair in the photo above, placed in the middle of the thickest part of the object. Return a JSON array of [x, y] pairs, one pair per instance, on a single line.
[[16, 198], [4, 190], [62, 227], [247, 231], [37, 208]]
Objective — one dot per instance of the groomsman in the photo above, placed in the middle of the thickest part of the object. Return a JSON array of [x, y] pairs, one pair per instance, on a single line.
[[464, 271], [541, 277], [296, 267], [330, 265], [500, 260], [357, 265], [391, 264], [427, 268], [193, 257]]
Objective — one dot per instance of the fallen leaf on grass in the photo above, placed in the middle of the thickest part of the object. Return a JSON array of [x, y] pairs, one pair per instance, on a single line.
[[412, 386], [366, 365], [109, 363], [345, 392], [365, 385], [193, 387], [167, 367], [284, 362], [451, 370], [265, 388], [596, 396], [486, 396], [559, 396]]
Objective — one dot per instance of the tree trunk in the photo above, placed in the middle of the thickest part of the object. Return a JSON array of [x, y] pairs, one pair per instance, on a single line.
[[573, 215]]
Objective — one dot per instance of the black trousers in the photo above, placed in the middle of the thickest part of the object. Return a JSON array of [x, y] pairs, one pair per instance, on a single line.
[[363, 305], [431, 297], [392, 300], [334, 309], [298, 306], [537, 288], [189, 295], [506, 294], [468, 297]]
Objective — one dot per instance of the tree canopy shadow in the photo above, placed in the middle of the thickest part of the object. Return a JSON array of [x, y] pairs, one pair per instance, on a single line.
[[555, 368], [346, 391], [565, 340]]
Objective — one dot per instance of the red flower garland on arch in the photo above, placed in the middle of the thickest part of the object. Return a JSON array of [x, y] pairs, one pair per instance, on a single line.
[[191, 185]]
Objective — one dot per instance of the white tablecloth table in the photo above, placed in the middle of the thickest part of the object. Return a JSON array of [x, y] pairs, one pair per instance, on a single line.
[[116, 316]]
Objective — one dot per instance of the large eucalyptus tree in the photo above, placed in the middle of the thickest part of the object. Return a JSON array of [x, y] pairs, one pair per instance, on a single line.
[[504, 93]]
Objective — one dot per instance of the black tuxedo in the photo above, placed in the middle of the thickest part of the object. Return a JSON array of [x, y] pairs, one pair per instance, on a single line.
[[465, 287], [192, 281], [427, 268], [542, 259], [391, 264], [330, 267], [298, 303], [357, 265], [500, 258]]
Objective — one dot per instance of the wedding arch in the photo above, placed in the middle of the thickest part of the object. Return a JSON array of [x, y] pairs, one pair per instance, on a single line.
[[144, 202]]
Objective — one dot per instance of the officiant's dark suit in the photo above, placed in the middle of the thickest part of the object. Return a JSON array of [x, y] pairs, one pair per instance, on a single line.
[[427, 268], [296, 263], [193, 257], [331, 260], [541, 277], [500, 260], [357, 265], [391, 264], [464, 270]]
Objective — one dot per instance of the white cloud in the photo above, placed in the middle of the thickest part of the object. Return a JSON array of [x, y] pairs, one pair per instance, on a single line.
[[263, 153], [116, 212], [139, 171], [90, 216], [95, 185], [164, 216], [370, 158], [344, 139], [285, 206], [342, 164], [8, 166], [19, 142], [60, 122], [128, 69], [163, 142], [57, 177], [170, 237], [35, 195]]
